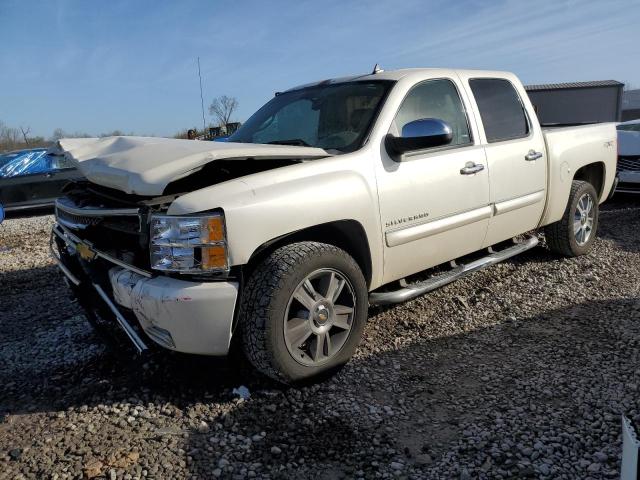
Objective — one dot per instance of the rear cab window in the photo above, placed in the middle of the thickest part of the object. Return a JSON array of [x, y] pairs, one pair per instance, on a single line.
[[501, 110]]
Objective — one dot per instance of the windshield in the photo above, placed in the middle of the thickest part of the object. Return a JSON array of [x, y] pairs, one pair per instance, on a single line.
[[332, 117], [629, 127]]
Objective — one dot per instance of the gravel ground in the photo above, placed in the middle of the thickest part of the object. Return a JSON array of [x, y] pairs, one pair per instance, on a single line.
[[522, 370]]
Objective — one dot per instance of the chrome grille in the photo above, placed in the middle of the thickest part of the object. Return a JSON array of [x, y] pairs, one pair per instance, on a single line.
[[79, 218], [629, 164], [76, 222], [119, 233]]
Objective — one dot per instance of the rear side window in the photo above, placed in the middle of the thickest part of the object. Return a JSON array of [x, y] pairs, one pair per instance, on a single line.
[[500, 108]]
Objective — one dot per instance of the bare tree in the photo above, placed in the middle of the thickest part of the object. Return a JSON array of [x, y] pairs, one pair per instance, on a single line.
[[25, 133], [222, 108], [113, 133], [58, 133], [9, 137]]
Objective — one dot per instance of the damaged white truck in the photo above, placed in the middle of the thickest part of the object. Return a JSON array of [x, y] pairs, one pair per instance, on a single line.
[[334, 196]]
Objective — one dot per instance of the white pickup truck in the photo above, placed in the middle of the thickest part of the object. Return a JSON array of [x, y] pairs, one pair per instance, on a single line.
[[330, 198]]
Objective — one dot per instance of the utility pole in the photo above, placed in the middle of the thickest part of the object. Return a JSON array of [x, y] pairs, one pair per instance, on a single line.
[[204, 126]]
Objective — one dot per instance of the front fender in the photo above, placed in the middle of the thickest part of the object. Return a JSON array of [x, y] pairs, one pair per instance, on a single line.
[[267, 205]]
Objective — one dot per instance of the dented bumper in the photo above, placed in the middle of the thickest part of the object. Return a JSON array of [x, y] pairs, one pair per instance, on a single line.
[[190, 317], [186, 316]]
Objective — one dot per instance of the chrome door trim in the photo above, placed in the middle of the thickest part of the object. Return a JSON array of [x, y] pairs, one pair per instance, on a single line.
[[410, 234], [518, 202]]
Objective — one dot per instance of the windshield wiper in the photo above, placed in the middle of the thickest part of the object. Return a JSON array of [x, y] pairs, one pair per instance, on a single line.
[[294, 141]]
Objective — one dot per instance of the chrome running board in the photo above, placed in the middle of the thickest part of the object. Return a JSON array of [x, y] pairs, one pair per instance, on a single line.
[[411, 291]]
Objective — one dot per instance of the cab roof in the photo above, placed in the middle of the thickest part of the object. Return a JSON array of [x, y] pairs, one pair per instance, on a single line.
[[395, 75]]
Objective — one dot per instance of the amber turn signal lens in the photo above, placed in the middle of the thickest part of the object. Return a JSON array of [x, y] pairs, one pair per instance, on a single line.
[[214, 257], [215, 229]]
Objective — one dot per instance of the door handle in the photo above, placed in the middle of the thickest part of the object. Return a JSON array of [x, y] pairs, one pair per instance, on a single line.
[[470, 168], [532, 155], [48, 175]]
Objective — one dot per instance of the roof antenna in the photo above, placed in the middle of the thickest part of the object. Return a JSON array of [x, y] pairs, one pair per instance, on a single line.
[[377, 69]]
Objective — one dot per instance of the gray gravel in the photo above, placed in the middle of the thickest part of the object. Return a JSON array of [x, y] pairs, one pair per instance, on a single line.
[[522, 370]]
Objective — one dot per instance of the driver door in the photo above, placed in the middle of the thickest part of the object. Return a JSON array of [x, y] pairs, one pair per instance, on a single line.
[[433, 207]]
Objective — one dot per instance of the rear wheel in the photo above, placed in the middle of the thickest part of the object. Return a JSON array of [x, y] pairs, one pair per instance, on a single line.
[[575, 232], [303, 311]]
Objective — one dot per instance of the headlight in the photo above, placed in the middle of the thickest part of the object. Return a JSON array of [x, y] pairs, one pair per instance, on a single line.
[[194, 244]]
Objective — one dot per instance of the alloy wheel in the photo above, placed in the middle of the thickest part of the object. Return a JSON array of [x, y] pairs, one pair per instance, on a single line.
[[319, 317], [583, 219]]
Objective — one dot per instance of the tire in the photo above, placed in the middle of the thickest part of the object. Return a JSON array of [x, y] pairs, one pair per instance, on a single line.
[[272, 319], [562, 236]]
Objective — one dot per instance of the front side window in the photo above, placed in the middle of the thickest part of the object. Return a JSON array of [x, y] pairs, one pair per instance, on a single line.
[[502, 113], [329, 116], [434, 99]]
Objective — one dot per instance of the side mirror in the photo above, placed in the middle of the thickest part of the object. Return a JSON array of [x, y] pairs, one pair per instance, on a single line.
[[420, 134]]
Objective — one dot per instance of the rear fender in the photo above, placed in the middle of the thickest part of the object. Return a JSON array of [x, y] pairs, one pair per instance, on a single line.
[[578, 153]]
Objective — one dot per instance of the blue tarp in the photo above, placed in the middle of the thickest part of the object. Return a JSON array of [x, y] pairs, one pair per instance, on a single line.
[[27, 162]]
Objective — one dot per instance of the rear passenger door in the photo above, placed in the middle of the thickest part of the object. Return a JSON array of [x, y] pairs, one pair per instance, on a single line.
[[515, 156]]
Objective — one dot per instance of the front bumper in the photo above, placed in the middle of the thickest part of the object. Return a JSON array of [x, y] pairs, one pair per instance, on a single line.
[[185, 316], [190, 317]]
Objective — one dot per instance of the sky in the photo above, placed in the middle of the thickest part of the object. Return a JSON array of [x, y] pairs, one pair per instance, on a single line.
[[98, 66]]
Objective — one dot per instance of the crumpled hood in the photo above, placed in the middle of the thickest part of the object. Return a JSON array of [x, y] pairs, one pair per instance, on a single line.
[[146, 165]]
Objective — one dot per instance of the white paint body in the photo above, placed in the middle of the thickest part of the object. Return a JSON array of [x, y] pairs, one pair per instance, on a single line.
[[416, 213]]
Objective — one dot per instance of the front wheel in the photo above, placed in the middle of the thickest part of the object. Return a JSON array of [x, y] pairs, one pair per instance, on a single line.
[[303, 311], [575, 232]]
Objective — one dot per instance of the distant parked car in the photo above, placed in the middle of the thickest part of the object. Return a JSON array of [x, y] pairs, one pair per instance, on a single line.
[[6, 157], [33, 178], [629, 157]]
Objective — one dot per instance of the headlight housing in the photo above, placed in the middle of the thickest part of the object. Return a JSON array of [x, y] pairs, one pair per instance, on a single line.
[[189, 244]]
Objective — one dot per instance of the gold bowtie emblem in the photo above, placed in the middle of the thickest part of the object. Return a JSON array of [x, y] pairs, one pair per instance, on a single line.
[[85, 252]]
